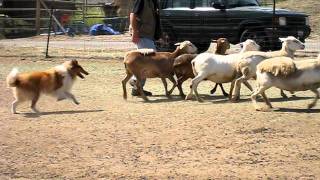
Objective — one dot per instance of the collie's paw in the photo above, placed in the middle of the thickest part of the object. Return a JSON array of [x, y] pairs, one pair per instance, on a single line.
[[61, 98]]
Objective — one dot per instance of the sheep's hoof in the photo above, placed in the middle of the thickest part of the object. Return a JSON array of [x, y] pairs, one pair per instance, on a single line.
[[36, 111], [284, 95], [310, 106], [183, 96], [234, 99], [200, 100], [263, 109], [189, 97], [225, 94], [146, 99]]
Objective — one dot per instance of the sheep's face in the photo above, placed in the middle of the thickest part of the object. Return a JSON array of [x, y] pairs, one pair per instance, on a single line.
[[187, 47], [250, 45], [292, 43], [223, 43]]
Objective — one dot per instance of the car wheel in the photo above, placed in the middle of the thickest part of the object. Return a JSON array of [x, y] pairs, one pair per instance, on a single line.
[[259, 36]]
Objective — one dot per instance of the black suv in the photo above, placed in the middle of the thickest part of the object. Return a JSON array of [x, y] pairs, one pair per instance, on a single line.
[[202, 20]]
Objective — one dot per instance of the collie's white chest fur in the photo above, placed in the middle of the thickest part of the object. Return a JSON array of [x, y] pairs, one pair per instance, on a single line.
[[67, 82]]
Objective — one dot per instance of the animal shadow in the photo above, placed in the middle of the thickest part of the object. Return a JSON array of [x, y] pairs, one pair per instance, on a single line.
[[35, 115], [297, 110]]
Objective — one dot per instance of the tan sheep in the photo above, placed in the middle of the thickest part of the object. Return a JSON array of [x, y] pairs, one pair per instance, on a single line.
[[146, 63], [248, 64], [278, 66], [293, 77]]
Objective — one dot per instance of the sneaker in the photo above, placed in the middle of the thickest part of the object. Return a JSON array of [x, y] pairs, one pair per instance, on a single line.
[[135, 92]]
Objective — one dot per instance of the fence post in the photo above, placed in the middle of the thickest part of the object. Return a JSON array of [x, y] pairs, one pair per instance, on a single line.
[[38, 14]]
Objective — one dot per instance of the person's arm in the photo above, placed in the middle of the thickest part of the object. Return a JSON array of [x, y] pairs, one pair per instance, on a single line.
[[134, 28]]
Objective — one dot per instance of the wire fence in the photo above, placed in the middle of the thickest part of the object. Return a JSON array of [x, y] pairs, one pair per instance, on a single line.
[[199, 21]]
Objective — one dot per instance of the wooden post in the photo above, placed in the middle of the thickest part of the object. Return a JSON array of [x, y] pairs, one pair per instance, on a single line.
[[38, 15]]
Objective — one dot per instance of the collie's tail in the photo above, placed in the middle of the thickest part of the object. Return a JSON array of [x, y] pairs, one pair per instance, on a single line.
[[12, 78]]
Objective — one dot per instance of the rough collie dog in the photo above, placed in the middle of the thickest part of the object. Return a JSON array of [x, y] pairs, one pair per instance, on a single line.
[[57, 82]]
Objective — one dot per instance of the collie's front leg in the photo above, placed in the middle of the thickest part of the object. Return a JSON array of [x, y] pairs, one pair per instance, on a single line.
[[72, 97], [14, 106]]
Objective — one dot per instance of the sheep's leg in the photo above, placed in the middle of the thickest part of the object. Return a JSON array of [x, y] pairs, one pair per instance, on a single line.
[[283, 94], [140, 89], [165, 84], [236, 91], [259, 90], [231, 89], [223, 91], [34, 102], [213, 90], [174, 82], [292, 93], [314, 102], [124, 85], [266, 99], [194, 85], [248, 85], [180, 81]]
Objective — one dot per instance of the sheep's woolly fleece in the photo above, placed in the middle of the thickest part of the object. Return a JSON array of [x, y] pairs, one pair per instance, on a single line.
[[278, 66]]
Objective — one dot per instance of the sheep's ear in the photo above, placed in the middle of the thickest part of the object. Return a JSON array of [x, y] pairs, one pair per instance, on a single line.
[[182, 45], [177, 44], [282, 39], [213, 40], [74, 62]]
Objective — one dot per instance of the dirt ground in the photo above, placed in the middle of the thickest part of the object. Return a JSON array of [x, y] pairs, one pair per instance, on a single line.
[[109, 138]]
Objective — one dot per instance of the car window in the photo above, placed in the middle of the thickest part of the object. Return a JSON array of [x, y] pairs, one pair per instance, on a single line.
[[206, 3], [240, 3], [179, 3]]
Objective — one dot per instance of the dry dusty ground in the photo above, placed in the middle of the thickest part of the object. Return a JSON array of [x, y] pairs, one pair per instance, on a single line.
[[107, 137]]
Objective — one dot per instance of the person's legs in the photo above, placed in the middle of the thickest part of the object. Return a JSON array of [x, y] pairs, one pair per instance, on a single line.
[[142, 44]]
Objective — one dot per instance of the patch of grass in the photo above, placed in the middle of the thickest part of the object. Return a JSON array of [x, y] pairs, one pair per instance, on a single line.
[[93, 12]]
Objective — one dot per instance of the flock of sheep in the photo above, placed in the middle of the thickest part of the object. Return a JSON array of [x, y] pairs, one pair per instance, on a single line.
[[269, 69]]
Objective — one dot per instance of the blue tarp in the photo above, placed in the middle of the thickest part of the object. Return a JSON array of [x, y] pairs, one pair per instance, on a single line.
[[102, 29]]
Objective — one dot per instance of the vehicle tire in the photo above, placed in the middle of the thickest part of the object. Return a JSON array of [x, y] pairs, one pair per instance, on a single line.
[[259, 36], [202, 47]]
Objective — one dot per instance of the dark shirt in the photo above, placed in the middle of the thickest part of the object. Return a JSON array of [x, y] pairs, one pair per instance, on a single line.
[[138, 6]]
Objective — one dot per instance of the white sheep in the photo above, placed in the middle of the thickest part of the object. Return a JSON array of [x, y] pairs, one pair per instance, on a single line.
[[144, 63], [217, 68], [287, 75], [248, 64]]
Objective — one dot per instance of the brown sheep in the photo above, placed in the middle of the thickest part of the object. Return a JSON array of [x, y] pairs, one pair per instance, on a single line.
[[145, 64]]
